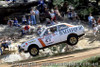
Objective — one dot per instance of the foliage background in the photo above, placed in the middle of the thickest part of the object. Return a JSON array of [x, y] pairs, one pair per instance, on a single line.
[[82, 7]]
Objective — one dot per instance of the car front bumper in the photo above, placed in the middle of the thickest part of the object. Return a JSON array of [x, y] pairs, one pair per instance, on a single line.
[[21, 49]]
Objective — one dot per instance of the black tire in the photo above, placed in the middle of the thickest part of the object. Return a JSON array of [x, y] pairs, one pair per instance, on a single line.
[[32, 50], [72, 40]]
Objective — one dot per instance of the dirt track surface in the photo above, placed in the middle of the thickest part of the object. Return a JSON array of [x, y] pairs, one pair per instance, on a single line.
[[63, 59]]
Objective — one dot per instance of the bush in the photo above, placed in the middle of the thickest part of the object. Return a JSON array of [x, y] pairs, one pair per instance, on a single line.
[[58, 2], [84, 12]]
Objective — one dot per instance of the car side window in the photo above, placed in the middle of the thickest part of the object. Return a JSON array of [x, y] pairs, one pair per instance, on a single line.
[[62, 27], [53, 29], [46, 32], [50, 31]]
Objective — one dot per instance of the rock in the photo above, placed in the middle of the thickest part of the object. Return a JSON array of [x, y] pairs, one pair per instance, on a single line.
[[11, 58]]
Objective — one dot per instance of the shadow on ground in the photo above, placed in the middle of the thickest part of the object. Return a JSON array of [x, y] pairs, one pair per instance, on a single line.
[[93, 38]]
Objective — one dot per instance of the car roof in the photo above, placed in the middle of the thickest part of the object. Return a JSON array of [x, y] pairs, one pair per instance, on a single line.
[[69, 25]]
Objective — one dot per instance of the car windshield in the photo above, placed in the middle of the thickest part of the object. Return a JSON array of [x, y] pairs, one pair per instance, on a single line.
[[40, 32]]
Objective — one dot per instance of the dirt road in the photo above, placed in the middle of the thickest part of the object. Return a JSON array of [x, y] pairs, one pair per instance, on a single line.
[[59, 60]]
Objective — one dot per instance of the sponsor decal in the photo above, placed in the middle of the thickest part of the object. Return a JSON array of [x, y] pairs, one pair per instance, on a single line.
[[69, 25], [42, 43], [32, 41], [71, 30]]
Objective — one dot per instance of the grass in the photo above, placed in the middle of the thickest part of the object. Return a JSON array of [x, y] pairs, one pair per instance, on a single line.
[[90, 62]]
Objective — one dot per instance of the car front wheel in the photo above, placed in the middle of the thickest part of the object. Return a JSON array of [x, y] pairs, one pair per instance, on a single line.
[[34, 51]]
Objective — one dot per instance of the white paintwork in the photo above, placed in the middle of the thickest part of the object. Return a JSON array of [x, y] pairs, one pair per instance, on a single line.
[[58, 36]]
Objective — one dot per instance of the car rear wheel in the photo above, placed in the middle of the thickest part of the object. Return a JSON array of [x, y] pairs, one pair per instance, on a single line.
[[34, 51], [72, 40]]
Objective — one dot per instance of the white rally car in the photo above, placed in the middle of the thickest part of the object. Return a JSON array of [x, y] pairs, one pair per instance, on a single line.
[[53, 35]]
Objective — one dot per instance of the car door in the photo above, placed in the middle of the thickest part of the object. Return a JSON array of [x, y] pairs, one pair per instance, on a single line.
[[63, 32], [51, 36]]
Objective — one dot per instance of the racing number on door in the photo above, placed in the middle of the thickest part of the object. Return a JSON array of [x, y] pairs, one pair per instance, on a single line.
[[49, 40]]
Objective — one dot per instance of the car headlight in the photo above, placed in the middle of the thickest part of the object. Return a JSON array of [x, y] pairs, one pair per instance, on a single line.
[[25, 44]]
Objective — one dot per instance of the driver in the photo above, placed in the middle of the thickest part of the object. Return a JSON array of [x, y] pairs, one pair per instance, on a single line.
[[53, 30]]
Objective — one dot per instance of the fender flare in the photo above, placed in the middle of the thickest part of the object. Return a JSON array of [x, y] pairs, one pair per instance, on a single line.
[[72, 34], [33, 45]]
